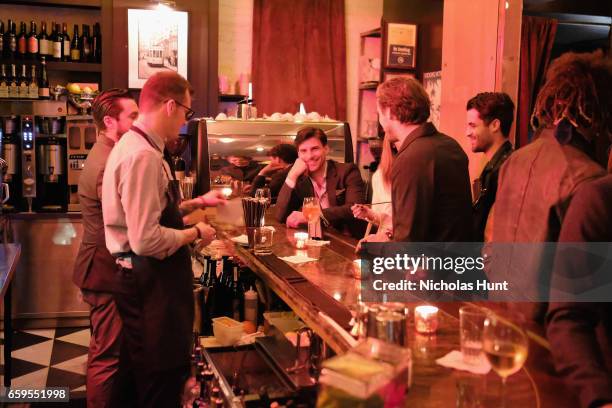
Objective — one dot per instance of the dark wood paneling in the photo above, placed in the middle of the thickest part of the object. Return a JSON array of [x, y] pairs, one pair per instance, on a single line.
[[202, 46], [590, 7], [428, 15]]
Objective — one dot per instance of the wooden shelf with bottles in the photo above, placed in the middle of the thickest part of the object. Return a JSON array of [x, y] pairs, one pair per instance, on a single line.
[[80, 4], [56, 65]]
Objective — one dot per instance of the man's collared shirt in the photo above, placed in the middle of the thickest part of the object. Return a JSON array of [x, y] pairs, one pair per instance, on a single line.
[[134, 194], [320, 191]]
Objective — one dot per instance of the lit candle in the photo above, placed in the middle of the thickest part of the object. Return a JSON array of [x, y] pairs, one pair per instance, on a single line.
[[426, 319], [300, 239], [302, 108], [250, 91], [227, 192]]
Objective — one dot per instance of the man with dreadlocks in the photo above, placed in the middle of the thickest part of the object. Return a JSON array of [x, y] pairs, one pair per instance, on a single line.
[[536, 184]]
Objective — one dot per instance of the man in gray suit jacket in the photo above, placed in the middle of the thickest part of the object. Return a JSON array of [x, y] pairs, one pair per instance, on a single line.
[[337, 185]]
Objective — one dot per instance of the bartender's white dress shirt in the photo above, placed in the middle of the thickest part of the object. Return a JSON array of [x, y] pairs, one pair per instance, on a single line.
[[134, 195]]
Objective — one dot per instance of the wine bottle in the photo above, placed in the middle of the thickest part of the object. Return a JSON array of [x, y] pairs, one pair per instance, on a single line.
[[58, 43], [43, 87], [96, 44], [1, 38], [13, 87], [22, 47], [23, 83], [66, 48], [11, 43], [4, 82], [75, 52], [85, 45], [32, 42], [33, 89], [43, 41]]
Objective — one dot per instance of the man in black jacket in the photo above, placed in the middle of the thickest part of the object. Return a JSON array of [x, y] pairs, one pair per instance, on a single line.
[[337, 185], [273, 175]]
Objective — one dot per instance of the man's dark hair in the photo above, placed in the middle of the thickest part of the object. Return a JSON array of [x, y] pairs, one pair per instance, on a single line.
[[107, 104], [494, 105], [284, 151], [308, 133]]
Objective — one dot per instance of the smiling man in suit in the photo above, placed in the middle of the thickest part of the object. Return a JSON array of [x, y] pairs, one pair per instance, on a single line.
[[337, 185]]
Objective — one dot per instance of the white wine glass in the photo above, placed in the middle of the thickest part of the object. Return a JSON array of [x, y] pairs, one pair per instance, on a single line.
[[505, 345]]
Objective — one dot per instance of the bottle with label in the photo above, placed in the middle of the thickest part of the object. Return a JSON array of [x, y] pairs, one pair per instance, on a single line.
[[1, 38], [85, 44], [43, 87], [23, 83], [13, 86], [4, 83], [11, 43], [57, 43], [22, 47], [75, 52], [32, 42], [43, 41], [96, 44], [66, 49], [33, 88]]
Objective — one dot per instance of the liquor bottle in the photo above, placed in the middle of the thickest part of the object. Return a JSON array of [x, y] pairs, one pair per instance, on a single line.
[[11, 42], [96, 44], [32, 42], [75, 52], [13, 86], [43, 87], [22, 47], [58, 43], [44, 46], [237, 294], [1, 38], [23, 83], [66, 49], [85, 44], [33, 88], [4, 83]]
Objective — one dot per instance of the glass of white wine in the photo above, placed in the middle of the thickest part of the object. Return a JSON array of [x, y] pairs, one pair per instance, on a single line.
[[505, 345]]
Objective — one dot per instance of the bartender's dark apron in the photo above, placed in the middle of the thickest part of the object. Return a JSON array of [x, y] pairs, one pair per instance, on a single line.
[[162, 318]]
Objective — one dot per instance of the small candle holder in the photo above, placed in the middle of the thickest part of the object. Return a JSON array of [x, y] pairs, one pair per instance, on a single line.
[[426, 319], [227, 192], [300, 239]]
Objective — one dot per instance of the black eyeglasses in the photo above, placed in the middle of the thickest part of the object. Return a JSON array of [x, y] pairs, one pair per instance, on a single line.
[[188, 111]]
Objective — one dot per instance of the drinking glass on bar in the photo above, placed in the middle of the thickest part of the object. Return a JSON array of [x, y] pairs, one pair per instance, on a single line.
[[471, 324], [187, 188], [505, 345], [263, 195], [312, 212]]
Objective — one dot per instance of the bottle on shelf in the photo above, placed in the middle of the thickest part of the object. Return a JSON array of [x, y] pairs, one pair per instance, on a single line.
[[32, 41], [66, 46], [23, 83], [43, 87], [1, 38], [237, 294], [85, 44], [13, 86], [4, 83], [10, 43], [22, 47], [33, 88], [44, 45], [57, 43], [75, 52], [96, 44]]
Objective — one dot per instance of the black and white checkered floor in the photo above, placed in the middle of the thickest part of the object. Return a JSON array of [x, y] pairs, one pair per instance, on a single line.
[[50, 358]]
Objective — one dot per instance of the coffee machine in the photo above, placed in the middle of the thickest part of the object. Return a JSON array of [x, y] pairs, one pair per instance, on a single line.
[[10, 129], [82, 134], [50, 147]]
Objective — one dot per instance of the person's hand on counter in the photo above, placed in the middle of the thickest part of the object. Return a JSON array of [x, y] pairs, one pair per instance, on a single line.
[[295, 219], [381, 236], [205, 232], [298, 168]]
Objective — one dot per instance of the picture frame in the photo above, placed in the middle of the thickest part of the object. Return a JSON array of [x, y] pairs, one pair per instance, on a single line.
[[157, 41], [393, 74], [400, 45]]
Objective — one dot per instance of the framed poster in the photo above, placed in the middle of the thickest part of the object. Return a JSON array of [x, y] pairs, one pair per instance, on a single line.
[[390, 75], [400, 45], [157, 41], [432, 82]]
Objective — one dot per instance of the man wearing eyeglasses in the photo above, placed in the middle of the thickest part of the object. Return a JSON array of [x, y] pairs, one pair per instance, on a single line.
[[145, 232]]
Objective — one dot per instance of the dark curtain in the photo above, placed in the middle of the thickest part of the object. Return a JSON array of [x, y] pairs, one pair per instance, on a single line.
[[537, 37], [299, 55]]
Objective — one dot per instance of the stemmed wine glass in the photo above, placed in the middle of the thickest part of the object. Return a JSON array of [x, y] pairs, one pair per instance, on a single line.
[[505, 345], [312, 212]]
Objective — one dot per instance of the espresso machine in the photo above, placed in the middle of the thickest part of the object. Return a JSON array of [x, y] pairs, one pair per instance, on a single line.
[[82, 134], [50, 147], [10, 126]]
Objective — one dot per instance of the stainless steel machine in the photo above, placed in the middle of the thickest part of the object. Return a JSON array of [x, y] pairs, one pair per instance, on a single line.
[[82, 134]]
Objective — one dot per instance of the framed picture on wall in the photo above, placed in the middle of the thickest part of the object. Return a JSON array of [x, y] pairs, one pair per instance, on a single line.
[[391, 75], [157, 41], [400, 41]]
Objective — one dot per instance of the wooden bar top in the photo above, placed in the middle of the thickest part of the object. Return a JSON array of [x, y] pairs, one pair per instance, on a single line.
[[536, 385]]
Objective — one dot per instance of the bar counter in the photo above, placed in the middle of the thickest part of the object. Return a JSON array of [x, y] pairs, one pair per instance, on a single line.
[[535, 385]]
